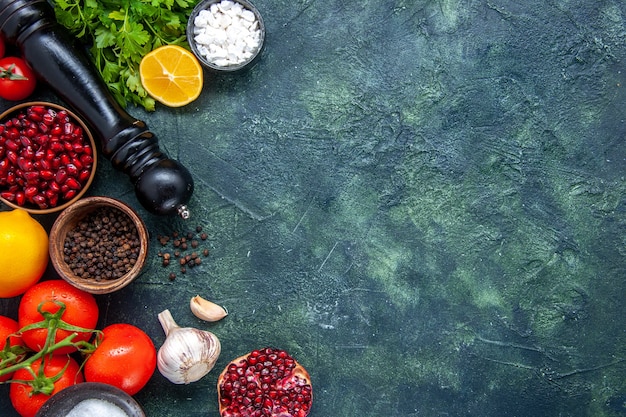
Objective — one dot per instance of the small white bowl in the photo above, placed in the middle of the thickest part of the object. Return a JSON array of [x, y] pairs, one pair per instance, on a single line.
[[212, 65]]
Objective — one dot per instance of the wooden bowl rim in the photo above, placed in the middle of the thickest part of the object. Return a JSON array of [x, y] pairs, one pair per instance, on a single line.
[[87, 131], [68, 219]]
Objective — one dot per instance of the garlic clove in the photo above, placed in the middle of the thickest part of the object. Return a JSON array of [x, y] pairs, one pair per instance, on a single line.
[[187, 354], [206, 310]]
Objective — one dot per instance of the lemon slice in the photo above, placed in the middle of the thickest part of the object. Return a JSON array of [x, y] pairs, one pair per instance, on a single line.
[[172, 75]]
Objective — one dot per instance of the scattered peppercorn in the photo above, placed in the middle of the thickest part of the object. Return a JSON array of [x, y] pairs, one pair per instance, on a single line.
[[103, 245], [181, 242]]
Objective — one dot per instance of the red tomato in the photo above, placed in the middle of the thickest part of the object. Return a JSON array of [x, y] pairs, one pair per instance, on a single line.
[[17, 79], [125, 358], [80, 310], [8, 326], [27, 403]]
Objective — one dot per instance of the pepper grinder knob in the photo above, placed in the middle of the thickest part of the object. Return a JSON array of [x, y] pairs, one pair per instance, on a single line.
[[162, 185]]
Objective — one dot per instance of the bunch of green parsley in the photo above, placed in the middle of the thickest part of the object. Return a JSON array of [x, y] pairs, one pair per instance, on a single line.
[[120, 32]]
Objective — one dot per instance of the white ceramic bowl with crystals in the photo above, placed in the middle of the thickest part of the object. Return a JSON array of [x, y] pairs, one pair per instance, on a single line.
[[227, 36]]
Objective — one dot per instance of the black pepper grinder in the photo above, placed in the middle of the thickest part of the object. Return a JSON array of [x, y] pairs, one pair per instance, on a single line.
[[162, 185]]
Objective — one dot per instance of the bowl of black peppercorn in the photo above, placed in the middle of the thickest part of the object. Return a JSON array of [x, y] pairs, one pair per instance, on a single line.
[[99, 244]]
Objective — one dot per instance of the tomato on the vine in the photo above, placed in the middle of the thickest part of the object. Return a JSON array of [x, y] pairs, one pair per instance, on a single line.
[[8, 330], [81, 310], [125, 358], [27, 398], [17, 79]]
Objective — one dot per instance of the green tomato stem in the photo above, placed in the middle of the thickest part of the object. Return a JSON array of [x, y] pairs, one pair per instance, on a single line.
[[13, 358]]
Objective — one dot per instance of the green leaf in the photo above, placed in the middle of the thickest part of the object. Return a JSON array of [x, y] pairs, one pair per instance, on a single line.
[[104, 38], [117, 15]]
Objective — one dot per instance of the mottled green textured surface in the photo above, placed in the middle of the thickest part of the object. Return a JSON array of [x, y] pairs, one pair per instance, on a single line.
[[423, 201]]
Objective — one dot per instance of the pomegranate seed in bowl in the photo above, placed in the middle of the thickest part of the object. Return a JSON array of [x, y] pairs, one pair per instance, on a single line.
[[47, 157]]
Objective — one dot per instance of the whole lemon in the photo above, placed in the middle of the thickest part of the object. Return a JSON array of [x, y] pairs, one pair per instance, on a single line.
[[23, 252]]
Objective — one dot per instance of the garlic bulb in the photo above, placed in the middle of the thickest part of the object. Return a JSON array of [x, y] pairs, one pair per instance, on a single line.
[[206, 310], [187, 354]]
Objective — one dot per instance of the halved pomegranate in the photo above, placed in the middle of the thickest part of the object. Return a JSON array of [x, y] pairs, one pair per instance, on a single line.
[[264, 383]]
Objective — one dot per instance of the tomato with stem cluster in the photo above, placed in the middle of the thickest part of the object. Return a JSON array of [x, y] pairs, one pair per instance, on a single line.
[[17, 79], [8, 354], [125, 357], [44, 299], [31, 387]]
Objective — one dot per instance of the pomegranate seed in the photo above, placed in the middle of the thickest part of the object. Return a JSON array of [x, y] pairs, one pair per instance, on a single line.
[[77, 147], [65, 159], [56, 147], [46, 174], [13, 133], [73, 183], [7, 195], [61, 176], [12, 145], [84, 175], [12, 157], [20, 198], [56, 131], [31, 191], [76, 162], [26, 139], [68, 195], [32, 177], [53, 199], [40, 201], [55, 187], [28, 152], [48, 119], [41, 139], [25, 164], [36, 111], [86, 160], [71, 169]]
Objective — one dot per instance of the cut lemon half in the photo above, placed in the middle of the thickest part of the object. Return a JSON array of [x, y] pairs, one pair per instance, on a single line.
[[171, 75]]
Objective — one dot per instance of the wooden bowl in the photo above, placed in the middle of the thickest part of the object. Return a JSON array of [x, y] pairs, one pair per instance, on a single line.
[[62, 203], [68, 221]]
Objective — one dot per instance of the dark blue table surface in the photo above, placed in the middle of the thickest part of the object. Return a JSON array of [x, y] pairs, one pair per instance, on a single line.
[[422, 201]]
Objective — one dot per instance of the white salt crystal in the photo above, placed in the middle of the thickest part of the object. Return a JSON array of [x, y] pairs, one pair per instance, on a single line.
[[248, 15]]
